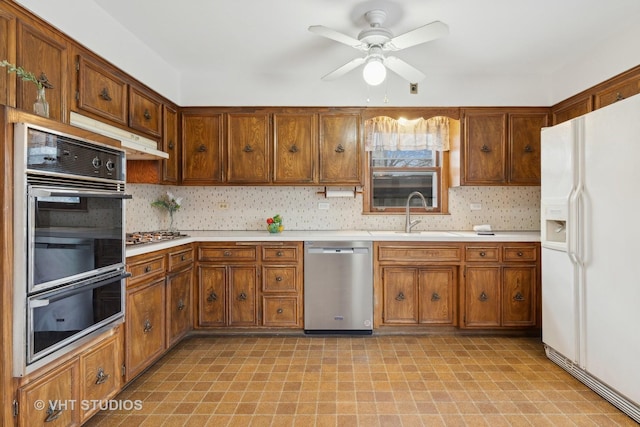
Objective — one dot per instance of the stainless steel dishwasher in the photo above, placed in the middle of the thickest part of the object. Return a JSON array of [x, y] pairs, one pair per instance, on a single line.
[[338, 287]]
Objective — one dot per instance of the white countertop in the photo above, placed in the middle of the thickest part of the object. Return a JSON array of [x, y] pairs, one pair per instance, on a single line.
[[334, 235]]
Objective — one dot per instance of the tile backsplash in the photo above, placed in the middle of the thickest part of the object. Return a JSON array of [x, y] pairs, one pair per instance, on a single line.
[[203, 208]]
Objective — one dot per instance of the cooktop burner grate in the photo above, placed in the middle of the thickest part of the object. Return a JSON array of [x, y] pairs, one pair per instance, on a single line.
[[142, 237]]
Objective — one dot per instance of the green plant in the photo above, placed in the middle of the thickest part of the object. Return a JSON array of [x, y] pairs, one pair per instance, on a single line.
[[25, 75]]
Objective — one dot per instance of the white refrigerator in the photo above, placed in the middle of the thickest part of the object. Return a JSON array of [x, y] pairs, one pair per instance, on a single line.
[[590, 232]]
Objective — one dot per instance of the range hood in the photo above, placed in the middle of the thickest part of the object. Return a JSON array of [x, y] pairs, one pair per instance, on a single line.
[[137, 147]]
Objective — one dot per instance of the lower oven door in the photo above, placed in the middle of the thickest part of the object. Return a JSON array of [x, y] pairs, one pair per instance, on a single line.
[[60, 320]]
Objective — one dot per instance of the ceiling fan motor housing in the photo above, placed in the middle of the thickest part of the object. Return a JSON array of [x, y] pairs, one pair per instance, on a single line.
[[376, 35]]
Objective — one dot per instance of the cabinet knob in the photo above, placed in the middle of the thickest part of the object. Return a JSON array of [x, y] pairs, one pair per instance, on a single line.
[[242, 296], [44, 81], [528, 149], [339, 149], [53, 413], [183, 257], [278, 278], [147, 114], [147, 269], [180, 305], [293, 149], [435, 297], [212, 296], [247, 148], [227, 253], [280, 311], [400, 297], [485, 148], [619, 97], [483, 254], [520, 253], [101, 377], [279, 253], [518, 297], [171, 145], [147, 326], [483, 296], [104, 94], [202, 148]]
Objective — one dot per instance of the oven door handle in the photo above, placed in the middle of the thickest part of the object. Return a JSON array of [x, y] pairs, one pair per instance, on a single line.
[[35, 303], [41, 192]]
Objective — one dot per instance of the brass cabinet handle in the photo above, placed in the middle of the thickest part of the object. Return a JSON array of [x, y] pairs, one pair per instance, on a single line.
[[293, 149], [101, 377], [278, 278], [242, 296], [147, 326], [247, 148], [147, 114], [435, 297], [528, 149], [202, 148], [280, 311], [180, 305], [212, 297], [339, 149], [400, 297], [518, 297], [483, 296], [104, 94], [171, 145], [53, 413], [485, 149]]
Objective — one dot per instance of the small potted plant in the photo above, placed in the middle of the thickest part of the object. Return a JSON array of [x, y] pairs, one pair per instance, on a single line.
[[41, 106], [171, 203]]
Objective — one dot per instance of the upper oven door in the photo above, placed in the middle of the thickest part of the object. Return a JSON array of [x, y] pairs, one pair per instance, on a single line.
[[72, 234]]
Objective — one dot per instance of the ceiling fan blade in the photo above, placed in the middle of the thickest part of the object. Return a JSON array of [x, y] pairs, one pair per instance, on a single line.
[[341, 71], [420, 35], [404, 70], [323, 31]]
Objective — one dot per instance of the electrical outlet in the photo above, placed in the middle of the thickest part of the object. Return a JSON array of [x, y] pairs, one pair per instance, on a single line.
[[413, 88], [323, 206], [475, 206], [223, 205]]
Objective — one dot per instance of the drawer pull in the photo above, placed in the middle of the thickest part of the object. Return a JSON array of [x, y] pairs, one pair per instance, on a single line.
[[483, 296], [339, 149], [400, 297], [485, 149], [242, 296], [147, 114], [147, 326], [279, 253], [483, 254], [147, 269], [212, 297], [101, 377], [202, 148], [180, 305], [619, 97], [247, 148], [53, 413], [280, 311], [104, 94], [520, 254], [227, 253], [435, 297], [293, 149], [278, 278], [183, 257], [518, 297]]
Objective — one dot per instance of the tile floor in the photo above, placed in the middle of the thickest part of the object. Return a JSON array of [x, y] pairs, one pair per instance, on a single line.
[[360, 381]]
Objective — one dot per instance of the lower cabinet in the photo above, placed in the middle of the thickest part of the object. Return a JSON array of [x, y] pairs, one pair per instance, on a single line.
[[179, 307]]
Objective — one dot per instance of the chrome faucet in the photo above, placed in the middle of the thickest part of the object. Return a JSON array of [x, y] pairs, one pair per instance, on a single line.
[[408, 223]]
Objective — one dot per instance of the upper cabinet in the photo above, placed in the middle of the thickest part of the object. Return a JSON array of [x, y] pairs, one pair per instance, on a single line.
[[170, 145], [294, 148], [145, 112], [201, 138], [7, 49], [571, 108], [340, 149], [618, 88], [248, 148], [502, 146]]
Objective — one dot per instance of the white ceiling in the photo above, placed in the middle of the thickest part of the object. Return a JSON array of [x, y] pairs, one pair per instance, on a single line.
[[257, 52]]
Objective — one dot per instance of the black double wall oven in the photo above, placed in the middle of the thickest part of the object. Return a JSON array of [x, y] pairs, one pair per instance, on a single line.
[[69, 243]]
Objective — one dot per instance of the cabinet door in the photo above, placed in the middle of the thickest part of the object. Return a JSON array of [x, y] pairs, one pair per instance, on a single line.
[[437, 295], [248, 148], [518, 296], [482, 296], [524, 147], [617, 90], [400, 295], [145, 326], [100, 374], [170, 145], [51, 400], [201, 148], [212, 295], [179, 307], [101, 91], [242, 296], [571, 108], [294, 142], [145, 112], [340, 146], [44, 53], [7, 51], [485, 143]]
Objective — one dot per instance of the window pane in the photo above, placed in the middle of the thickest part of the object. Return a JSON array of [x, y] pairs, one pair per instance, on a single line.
[[403, 159], [391, 188]]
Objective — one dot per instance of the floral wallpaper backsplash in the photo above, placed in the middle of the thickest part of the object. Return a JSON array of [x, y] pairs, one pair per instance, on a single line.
[[247, 208]]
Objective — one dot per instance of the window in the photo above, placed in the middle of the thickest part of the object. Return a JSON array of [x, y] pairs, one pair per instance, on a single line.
[[403, 157]]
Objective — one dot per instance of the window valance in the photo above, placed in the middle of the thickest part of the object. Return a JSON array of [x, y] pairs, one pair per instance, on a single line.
[[386, 133]]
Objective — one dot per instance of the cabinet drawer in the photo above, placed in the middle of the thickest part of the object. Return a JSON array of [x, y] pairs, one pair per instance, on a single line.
[[144, 269], [227, 253], [419, 253], [279, 279], [520, 253], [279, 311], [482, 253], [180, 258], [280, 253]]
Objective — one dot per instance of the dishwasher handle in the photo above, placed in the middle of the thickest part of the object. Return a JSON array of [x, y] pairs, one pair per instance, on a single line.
[[346, 251]]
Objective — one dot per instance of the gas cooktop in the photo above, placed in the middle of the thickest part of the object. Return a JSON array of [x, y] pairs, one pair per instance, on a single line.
[[142, 237]]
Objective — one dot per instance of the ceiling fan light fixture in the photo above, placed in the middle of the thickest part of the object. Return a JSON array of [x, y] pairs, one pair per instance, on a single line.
[[374, 72]]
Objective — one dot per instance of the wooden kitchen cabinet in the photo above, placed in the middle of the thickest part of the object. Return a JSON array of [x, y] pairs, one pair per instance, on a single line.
[[572, 108], [621, 87], [282, 277], [7, 51], [524, 147], [145, 112], [340, 149], [248, 148], [179, 290], [295, 141], [42, 51], [482, 297], [202, 153], [171, 146]]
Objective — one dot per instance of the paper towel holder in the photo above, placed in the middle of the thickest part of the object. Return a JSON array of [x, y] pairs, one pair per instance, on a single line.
[[355, 192]]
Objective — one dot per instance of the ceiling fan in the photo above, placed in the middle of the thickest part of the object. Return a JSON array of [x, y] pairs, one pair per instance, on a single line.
[[375, 41]]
